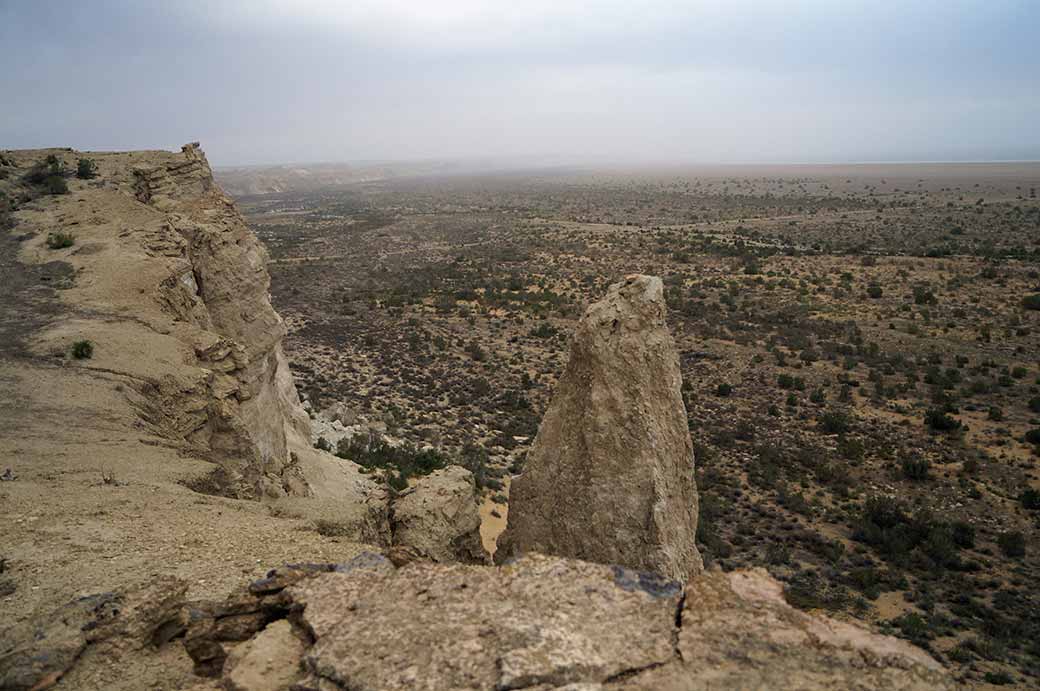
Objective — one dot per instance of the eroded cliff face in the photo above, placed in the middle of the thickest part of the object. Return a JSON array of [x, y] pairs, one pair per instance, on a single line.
[[171, 287], [251, 410]]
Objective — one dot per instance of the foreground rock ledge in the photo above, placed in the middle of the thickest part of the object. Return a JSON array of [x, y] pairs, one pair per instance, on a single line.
[[547, 622], [609, 477], [538, 623]]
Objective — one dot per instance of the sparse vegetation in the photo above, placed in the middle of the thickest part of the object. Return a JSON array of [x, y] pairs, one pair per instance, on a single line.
[[86, 169], [82, 350], [59, 240]]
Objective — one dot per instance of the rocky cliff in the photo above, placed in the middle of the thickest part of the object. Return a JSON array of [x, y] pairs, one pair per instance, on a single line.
[[171, 290]]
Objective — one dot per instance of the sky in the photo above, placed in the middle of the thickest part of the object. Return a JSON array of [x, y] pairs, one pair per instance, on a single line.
[[735, 81]]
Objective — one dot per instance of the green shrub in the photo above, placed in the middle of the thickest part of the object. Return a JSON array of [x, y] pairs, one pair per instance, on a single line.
[[1033, 436], [937, 419], [86, 169], [786, 381], [475, 459], [82, 350], [56, 185], [916, 469], [851, 449], [407, 460], [724, 389], [1012, 544], [914, 627], [1030, 499], [475, 351], [834, 422], [59, 240], [874, 291], [924, 296], [998, 678], [963, 534], [778, 553], [1031, 302]]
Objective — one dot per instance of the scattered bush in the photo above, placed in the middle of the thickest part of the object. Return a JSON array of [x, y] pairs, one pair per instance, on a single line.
[[86, 169], [786, 381], [1012, 544], [56, 185], [372, 451], [59, 240], [50, 174], [1031, 302], [963, 534], [851, 449], [724, 389], [82, 350], [1030, 499], [834, 422], [916, 469], [938, 420], [475, 459], [998, 678]]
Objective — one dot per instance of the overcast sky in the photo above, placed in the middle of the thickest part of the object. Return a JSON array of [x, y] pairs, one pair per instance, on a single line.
[[269, 81]]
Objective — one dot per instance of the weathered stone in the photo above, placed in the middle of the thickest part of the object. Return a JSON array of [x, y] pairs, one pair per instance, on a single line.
[[737, 632], [268, 662], [552, 623], [212, 625], [609, 477], [37, 654], [441, 626], [438, 517]]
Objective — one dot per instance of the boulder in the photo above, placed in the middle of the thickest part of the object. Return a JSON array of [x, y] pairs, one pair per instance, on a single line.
[[438, 517], [609, 477]]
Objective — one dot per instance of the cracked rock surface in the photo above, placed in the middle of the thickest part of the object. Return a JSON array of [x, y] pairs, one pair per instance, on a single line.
[[545, 622]]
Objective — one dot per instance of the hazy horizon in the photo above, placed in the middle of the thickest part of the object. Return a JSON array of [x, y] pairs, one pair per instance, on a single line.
[[707, 83]]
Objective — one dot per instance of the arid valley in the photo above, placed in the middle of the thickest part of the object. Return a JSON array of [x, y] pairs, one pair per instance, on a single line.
[[859, 350]]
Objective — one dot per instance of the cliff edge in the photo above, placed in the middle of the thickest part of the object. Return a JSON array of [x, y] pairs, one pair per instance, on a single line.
[[145, 389]]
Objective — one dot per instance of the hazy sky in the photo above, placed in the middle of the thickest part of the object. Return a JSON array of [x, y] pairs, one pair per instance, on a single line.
[[261, 81]]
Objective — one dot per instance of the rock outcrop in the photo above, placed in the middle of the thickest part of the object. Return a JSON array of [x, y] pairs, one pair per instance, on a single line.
[[538, 623], [171, 288], [438, 517], [547, 622], [36, 655], [220, 285], [610, 475]]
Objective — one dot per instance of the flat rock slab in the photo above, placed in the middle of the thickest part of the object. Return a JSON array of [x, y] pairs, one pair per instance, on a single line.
[[540, 620]]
